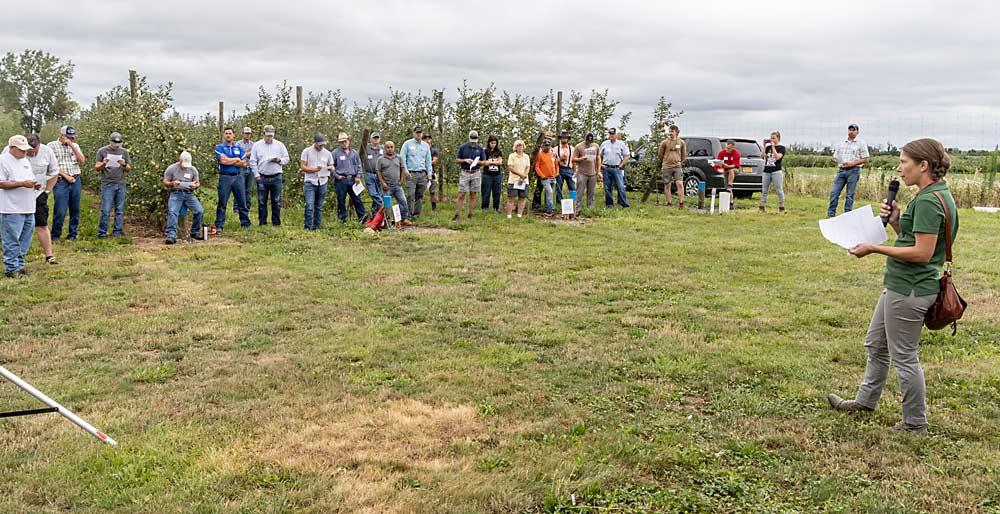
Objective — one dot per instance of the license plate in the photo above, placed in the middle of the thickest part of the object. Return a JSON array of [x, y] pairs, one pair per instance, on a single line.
[[747, 170]]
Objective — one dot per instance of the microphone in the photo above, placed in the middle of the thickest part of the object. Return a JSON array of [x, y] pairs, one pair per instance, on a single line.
[[889, 198]]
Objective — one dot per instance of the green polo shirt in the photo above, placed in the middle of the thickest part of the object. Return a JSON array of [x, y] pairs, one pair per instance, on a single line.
[[924, 214]]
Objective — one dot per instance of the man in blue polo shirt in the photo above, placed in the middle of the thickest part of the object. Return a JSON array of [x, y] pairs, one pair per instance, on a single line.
[[232, 160], [347, 172]]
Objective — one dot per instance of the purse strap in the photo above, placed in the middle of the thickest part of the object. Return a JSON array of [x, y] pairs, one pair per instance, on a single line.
[[947, 227]]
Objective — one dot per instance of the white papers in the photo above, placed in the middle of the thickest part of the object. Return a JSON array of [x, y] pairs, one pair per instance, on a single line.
[[396, 215], [853, 228], [591, 157], [429, 184], [358, 188], [520, 185], [987, 209], [113, 161], [724, 202], [475, 162], [567, 206]]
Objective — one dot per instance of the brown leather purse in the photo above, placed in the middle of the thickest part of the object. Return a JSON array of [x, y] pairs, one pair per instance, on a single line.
[[949, 306]]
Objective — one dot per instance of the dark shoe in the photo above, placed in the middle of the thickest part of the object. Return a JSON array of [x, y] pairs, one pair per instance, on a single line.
[[781, 210], [171, 240], [453, 218], [198, 236], [71, 238], [11, 274], [762, 209], [906, 427], [843, 405], [23, 272], [51, 260], [102, 236], [680, 206]]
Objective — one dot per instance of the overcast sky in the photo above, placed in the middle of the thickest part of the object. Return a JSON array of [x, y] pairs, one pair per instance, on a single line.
[[899, 69]]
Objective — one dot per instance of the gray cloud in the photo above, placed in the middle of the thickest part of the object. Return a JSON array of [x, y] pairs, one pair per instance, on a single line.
[[903, 69]]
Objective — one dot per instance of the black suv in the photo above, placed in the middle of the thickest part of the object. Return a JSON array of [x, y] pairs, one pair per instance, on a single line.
[[697, 166]]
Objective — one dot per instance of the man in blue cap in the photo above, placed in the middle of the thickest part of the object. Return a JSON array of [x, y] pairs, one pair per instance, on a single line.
[[113, 162], [66, 193], [850, 155]]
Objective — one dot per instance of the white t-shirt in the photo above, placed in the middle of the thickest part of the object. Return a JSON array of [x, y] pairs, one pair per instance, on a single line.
[[20, 200], [43, 165], [313, 158]]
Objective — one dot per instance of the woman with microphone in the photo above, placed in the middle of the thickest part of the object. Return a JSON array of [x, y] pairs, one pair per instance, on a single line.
[[912, 269]]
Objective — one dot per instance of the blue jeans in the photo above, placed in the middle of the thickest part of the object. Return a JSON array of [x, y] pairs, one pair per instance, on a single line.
[[549, 185], [848, 177], [344, 187], [399, 194], [614, 178], [269, 186], [231, 184], [180, 201], [315, 197], [374, 188], [565, 175], [249, 183], [112, 195], [492, 185], [778, 179], [16, 230], [66, 196]]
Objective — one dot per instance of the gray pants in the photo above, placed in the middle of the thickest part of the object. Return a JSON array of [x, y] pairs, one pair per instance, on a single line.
[[416, 186], [894, 335], [585, 188], [776, 178]]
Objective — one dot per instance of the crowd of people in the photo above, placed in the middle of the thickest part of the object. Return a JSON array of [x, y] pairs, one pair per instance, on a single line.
[[29, 171]]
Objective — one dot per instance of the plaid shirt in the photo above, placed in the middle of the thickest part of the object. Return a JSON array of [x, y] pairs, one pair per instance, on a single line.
[[850, 151], [65, 158]]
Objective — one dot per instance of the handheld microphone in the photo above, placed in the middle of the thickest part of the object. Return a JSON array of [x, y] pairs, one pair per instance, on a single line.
[[889, 198]]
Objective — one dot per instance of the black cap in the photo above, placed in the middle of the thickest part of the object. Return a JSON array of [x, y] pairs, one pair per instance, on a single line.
[[730, 142], [853, 126], [612, 130], [418, 128], [319, 138], [589, 136], [564, 134]]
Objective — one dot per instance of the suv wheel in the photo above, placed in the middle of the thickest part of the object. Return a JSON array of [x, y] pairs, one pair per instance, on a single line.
[[691, 185]]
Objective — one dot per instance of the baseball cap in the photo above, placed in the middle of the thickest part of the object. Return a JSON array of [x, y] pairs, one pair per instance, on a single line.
[[268, 130], [319, 138], [730, 142], [20, 142], [473, 135], [67, 131], [564, 134], [589, 136], [343, 137], [853, 126], [115, 137], [418, 128], [185, 158], [612, 130], [376, 135], [246, 130]]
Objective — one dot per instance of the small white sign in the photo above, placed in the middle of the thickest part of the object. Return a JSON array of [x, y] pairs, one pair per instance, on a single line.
[[567, 206], [396, 215], [358, 188]]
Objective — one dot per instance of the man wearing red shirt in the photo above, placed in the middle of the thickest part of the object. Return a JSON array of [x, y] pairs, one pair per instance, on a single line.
[[730, 158]]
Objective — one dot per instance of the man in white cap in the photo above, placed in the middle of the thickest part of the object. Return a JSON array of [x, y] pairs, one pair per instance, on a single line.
[[17, 204], [316, 162], [113, 162], [347, 173], [43, 165], [66, 193], [470, 180], [182, 179], [246, 174], [267, 159]]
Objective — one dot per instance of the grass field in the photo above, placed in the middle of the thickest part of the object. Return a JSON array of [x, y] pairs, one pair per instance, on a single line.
[[644, 361]]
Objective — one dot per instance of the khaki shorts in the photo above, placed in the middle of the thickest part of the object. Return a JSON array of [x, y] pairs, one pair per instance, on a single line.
[[470, 182], [672, 174]]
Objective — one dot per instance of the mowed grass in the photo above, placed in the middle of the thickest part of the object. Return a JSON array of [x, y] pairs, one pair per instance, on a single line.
[[645, 361]]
